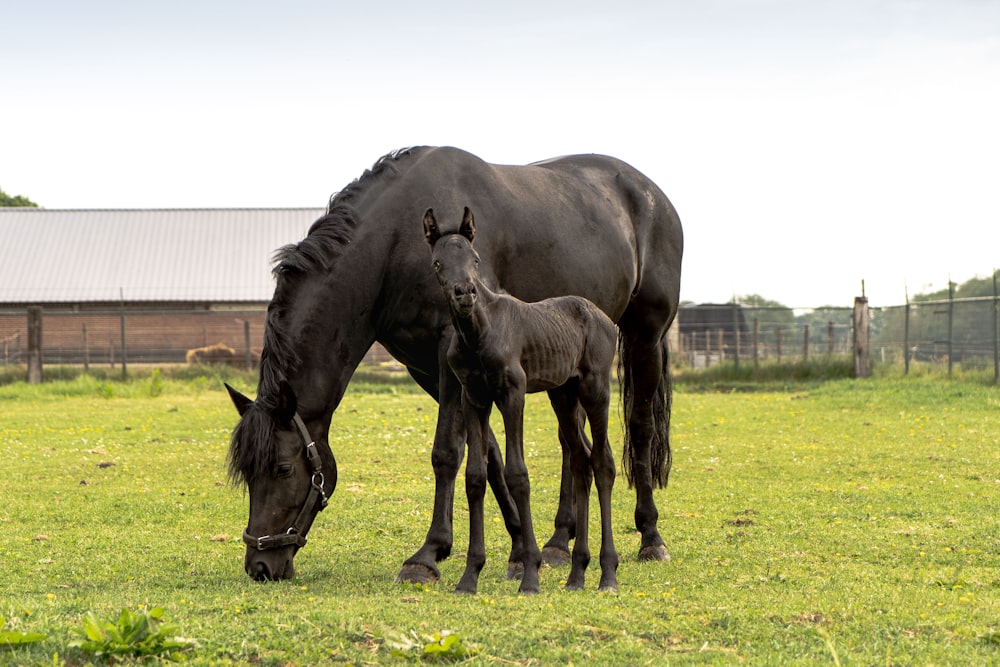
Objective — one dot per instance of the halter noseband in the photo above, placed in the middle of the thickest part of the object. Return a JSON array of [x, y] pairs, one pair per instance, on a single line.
[[296, 534]]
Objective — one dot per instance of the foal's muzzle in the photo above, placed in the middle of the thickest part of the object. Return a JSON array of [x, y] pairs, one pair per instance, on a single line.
[[464, 297]]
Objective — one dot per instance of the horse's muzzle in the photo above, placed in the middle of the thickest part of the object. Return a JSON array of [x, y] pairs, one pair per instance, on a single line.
[[269, 566]]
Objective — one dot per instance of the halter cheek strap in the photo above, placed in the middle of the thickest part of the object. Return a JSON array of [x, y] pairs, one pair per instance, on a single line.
[[296, 533]]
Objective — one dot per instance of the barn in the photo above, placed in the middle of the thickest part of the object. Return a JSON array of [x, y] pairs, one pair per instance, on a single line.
[[710, 332], [148, 285]]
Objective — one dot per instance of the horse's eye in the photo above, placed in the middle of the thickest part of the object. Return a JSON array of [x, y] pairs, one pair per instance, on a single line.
[[284, 470], [437, 265]]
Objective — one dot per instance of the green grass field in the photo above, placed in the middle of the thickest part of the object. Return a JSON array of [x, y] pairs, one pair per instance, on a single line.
[[845, 522]]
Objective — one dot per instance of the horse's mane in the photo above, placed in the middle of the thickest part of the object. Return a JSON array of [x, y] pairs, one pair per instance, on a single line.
[[251, 449], [329, 234]]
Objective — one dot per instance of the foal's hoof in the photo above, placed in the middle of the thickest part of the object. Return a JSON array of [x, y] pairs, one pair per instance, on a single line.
[[515, 569], [555, 557], [417, 573], [658, 552]]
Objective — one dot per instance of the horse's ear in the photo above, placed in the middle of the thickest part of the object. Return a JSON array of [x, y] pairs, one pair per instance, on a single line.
[[241, 402], [468, 228], [431, 231], [284, 412]]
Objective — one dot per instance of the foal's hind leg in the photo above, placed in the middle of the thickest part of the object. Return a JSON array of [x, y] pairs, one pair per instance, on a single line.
[[556, 550], [564, 402], [512, 521], [596, 397]]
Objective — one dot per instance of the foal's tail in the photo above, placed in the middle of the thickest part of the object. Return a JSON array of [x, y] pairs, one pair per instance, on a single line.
[[660, 457]]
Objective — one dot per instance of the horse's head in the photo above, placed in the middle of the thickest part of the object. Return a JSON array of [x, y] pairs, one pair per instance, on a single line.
[[287, 478], [455, 261]]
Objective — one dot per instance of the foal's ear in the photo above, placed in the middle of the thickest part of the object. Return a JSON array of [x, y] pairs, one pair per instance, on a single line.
[[431, 231], [241, 402], [468, 228], [284, 412]]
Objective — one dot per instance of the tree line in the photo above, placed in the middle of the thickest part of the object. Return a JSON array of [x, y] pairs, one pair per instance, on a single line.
[[7, 200]]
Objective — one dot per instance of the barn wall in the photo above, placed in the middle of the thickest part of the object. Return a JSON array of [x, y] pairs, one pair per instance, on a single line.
[[152, 334]]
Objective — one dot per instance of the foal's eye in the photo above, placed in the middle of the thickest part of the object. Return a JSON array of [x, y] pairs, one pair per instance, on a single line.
[[284, 470]]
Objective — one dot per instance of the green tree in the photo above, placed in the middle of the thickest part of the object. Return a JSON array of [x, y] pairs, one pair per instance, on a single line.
[[773, 313], [7, 200]]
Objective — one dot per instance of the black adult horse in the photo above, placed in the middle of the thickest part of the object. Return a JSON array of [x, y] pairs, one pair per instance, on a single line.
[[588, 225]]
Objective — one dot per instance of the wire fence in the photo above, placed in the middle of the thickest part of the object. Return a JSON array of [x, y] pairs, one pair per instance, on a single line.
[[953, 332], [115, 337]]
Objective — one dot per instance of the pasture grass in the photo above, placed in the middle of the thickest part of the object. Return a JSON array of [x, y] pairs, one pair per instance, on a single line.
[[842, 522]]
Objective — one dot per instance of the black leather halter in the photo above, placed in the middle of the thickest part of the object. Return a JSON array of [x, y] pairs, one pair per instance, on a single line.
[[296, 533]]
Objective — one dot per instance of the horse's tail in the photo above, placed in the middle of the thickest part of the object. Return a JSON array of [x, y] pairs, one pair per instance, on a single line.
[[660, 457]]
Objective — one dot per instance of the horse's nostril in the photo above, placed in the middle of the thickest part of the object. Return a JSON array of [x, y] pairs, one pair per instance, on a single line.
[[259, 571]]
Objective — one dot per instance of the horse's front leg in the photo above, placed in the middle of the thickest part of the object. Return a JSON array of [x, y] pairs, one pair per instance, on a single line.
[[516, 471], [446, 457]]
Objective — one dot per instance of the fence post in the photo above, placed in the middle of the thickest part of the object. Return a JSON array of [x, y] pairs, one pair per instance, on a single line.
[[35, 345], [720, 337], [246, 341], [906, 337], [736, 331], [951, 320], [121, 294], [862, 352], [778, 342], [86, 350], [756, 342], [829, 335], [805, 342], [996, 330]]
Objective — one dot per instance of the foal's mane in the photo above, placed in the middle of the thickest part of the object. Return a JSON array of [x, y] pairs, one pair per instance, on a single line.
[[251, 450]]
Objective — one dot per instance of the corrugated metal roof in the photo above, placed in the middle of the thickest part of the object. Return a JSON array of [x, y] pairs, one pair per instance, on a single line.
[[191, 255]]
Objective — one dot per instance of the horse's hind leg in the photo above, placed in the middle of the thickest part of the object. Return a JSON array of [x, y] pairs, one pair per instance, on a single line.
[[646, 384]]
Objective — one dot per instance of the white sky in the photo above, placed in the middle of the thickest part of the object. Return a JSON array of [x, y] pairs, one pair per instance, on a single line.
[[807, 145]]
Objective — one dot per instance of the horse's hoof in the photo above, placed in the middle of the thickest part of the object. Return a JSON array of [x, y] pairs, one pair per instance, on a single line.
[[657, 552], [515, 570], [555, 556], [417, 573]]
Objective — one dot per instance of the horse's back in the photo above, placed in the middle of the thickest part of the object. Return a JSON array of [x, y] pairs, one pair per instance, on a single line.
[[582, 224]]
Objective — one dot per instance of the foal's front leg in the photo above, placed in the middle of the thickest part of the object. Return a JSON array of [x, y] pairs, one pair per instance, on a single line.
[[477, 421], [516, 471]]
